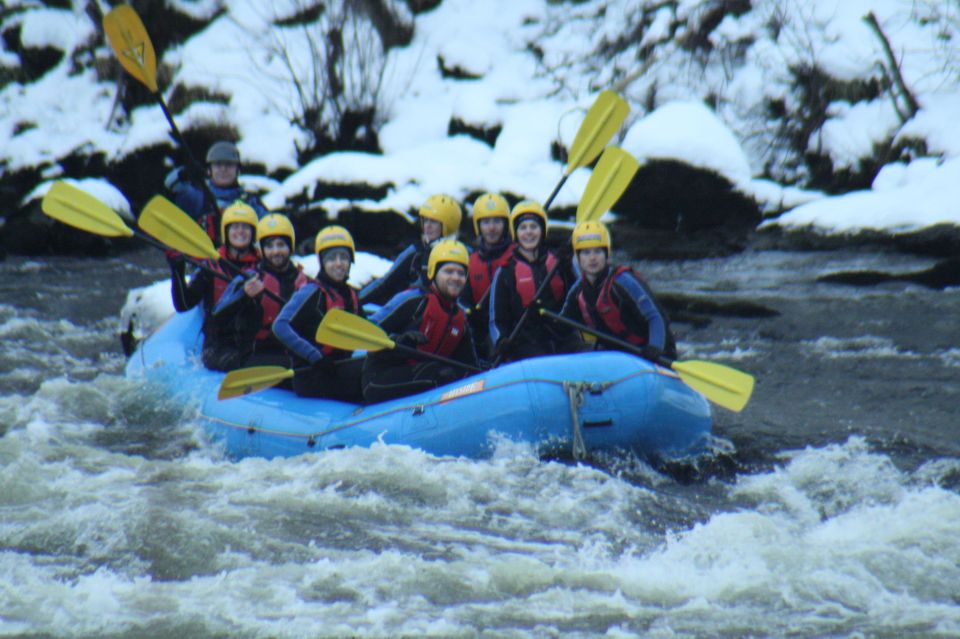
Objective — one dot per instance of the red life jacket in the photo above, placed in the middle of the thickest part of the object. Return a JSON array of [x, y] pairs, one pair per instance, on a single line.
[[608, 311], [481, 271], [271, 308], [220, 284], [333, 299], [444, 324], [527, 285]]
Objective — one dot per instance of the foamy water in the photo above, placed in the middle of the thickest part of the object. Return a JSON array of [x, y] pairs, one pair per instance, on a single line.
[[117, 518]]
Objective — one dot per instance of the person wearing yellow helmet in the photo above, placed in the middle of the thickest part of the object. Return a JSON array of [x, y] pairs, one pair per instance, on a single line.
[[495, 246], [439, 217], [615, 299], [238, 226], [323, 371], [428, 319], [187, 190], [515, 285], [249, 309]]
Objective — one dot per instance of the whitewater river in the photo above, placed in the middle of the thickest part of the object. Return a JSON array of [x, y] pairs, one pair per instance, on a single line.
[[829, 509]]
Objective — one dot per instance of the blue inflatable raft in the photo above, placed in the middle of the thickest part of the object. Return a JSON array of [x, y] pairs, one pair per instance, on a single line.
[[566, 405]]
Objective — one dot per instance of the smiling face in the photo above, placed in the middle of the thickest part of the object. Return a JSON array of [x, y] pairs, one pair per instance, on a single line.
[[336, 264], [224, 174], [239, 236], [492, 230], [529, 234], [276, 252], [450, 279], [592, 261]]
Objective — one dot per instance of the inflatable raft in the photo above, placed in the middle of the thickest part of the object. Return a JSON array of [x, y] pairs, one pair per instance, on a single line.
[[566, 405]]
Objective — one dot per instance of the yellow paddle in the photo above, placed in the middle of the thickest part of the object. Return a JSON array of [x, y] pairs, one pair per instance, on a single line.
[[77, 208], [170, 224], [609, 180], [132, 45], [722, 385], [252, 380], [604, 117]]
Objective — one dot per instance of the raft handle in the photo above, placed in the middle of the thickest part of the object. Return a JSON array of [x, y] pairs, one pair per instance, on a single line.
[[599, 423]]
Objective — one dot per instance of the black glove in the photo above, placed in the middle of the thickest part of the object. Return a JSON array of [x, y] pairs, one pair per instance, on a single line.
[[193, 174], [447, 375], [651, 353], [325, 365], [410, 339]]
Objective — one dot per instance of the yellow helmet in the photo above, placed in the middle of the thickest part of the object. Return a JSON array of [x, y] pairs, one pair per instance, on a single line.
[[527, 207], [276, 225], [237, 212], [487, 206], [590, 235], [447, 251], [334, 237], [443, 209]]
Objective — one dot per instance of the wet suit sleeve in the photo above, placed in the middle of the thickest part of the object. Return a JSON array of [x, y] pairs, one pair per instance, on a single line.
[[187, 195], [290, 316], [500, 315], [395, 280], [394, 302], [571, 306], [635, 293]]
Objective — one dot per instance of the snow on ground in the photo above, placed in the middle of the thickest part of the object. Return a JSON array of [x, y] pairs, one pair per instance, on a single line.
[[904, 197], [528, 95]]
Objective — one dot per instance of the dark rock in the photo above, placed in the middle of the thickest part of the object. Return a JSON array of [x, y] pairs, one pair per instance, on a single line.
[[667, 195], [487, 135], [941, 240], [940, 276]]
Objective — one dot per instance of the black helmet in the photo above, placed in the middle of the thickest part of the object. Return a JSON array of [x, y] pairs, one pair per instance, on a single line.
[[223, 151]]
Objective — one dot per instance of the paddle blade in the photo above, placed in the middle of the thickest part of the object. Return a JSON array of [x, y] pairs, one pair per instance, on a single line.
[[77, 208], [721, 384], [166, 222], [252, 380], [131, 44], [609, 180], [603, 119], [350, 332]]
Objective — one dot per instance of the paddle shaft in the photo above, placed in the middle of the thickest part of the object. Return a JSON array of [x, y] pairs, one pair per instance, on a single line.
[[205, 267], [609, 339], [415, 352]]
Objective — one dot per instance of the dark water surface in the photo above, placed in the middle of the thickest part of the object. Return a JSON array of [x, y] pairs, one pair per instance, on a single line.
[[830, 508]]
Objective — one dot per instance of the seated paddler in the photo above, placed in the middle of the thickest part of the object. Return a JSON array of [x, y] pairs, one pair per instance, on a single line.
[[430, 320], [615, 299], [323, 371]]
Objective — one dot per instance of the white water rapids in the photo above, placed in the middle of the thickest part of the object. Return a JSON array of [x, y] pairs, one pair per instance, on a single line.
[[117, 519]]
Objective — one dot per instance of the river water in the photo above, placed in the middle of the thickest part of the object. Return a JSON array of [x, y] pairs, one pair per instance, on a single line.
[[829, 509]]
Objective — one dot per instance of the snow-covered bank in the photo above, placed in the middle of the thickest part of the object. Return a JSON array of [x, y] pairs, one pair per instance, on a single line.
[[795, 95]]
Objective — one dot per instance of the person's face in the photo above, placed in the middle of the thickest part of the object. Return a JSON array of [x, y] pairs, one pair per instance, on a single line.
[[224, 174], [239, 236], [491, 230], [592, 261], [336, 264], [432, 229], [450, 279], [529, 235], [276, 252]]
